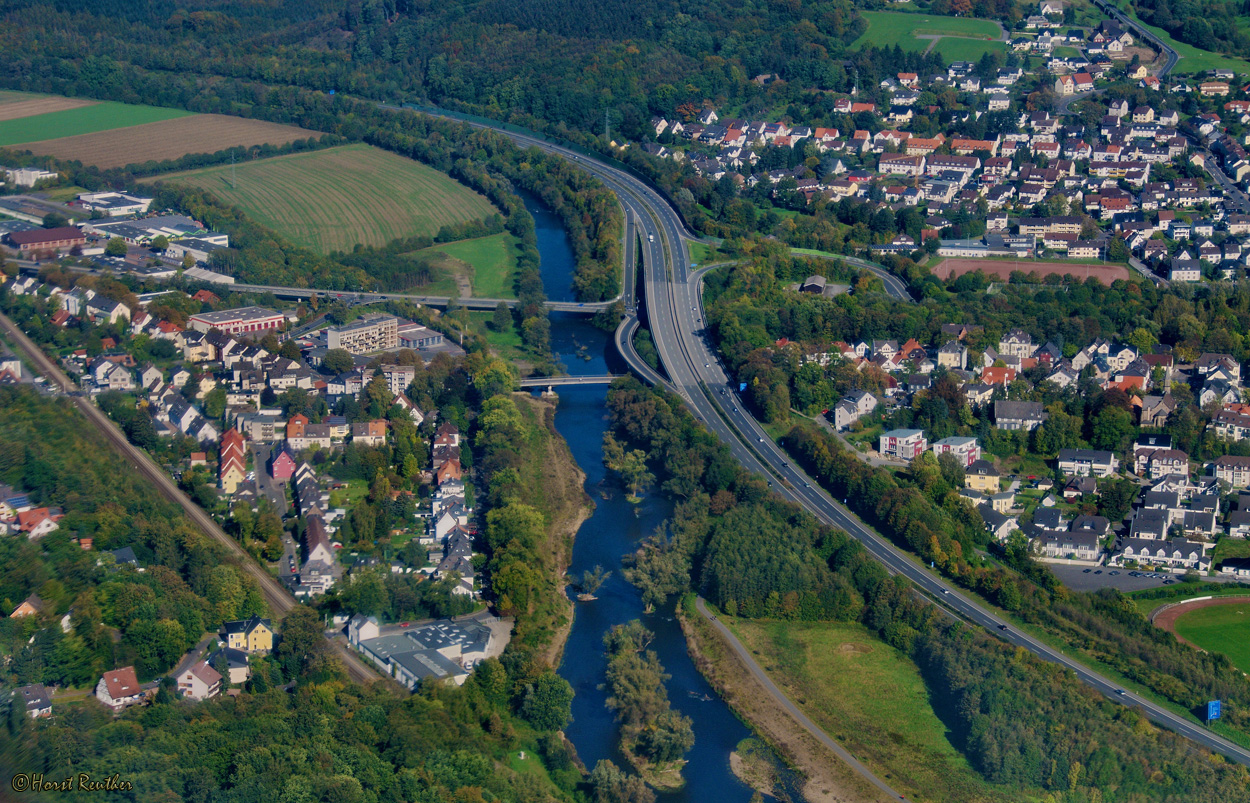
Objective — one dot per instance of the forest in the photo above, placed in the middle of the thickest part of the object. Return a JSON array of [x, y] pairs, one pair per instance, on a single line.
[[117, 616], [1215, 25]]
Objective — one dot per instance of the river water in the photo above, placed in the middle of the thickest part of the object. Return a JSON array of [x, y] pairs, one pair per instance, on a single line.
[[613, 531]]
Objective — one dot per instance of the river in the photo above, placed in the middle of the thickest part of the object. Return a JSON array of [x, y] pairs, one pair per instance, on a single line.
[[610, 533]]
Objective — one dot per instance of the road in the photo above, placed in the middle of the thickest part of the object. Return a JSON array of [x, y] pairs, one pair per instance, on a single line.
[[675, 315], [276, 597], [782, 700], [1127, 22], [265, 483]]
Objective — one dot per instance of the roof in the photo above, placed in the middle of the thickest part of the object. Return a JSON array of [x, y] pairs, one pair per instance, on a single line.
[[246, 625], [36, 236], [207, 675], [122, 683], [36, 695]]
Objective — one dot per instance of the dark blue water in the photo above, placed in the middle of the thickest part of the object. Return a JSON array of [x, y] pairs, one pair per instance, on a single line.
[[558, 260], [614, 530]]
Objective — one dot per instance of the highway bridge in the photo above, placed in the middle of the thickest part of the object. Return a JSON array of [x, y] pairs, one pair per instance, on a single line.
[[550, 382], [438, 302], [692, 370]]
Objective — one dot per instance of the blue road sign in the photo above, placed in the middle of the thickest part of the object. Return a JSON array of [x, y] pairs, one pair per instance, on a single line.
[[1213, 710], [742, 386]]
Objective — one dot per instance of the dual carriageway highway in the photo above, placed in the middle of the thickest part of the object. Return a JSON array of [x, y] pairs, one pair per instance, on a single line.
[[676, 319]]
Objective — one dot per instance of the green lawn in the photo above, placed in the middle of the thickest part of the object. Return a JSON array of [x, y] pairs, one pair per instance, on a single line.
[[701, 253], [1192, 59], [967, 49], [332, 199], [1222, 628], [491, 261], [83, 120], [889, 28], [871, 699], [1067, 53]]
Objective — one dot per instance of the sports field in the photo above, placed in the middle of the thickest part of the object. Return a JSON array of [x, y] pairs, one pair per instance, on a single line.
[[331, 200], [963, 38], [81, 120], [1216, 626], [489, 261], [1003, 268], [167, 139]]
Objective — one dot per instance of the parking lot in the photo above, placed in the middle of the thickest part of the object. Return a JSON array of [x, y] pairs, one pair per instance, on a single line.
[[1077, 579]]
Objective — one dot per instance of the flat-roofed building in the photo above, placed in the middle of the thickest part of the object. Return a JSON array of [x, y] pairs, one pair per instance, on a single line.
[[244, 320], [371, 333]]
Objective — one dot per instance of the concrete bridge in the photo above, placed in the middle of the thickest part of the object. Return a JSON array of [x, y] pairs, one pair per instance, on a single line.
[[550, 382]]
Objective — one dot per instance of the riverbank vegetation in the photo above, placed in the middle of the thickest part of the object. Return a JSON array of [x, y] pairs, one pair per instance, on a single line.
[[654, 737], [1023, 722]]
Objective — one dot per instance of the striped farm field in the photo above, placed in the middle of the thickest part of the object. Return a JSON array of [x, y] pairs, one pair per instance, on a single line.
[[15, 105], [330, 200], [166, 140], [89, 119]]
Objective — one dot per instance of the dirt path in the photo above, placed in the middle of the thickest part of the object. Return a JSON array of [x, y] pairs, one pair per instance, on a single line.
[[1165, 616], [829, 776]]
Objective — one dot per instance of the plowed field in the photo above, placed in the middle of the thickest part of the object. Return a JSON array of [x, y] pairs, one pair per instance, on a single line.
[[168, 139], [14, 106]]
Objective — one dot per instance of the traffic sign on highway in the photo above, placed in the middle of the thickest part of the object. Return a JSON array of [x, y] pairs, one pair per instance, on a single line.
[[1213, 710]]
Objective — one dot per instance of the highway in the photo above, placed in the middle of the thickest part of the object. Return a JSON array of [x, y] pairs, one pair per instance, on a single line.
[[276, 596], [676, 319]]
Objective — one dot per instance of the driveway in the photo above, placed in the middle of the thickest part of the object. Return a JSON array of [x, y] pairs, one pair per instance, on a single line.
[[194, 654]]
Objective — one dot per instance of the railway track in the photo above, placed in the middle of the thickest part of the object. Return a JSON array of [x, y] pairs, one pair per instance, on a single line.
[[276, 597]]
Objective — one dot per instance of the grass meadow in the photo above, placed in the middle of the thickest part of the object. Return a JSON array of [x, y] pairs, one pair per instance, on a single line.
[[871, 699], [963, 38]]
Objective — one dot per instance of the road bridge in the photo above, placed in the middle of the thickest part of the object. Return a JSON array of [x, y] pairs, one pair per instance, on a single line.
[[550, 382]]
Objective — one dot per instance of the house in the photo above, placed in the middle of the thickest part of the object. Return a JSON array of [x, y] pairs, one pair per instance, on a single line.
[[119, 689], [31, 606], [36, 523], [953, 355], [1160, 463], [1175, 553], [1233, 470], [1014, 415], [980, 475], [1076, 546], [903, 444], [852, 407], [238, 669], [371, 433], [37, 699], [1000, 526], [254, 635], [199, 682], [1087, 463], [965, 450], [282, 463], [1079, 487], [362, 628]]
